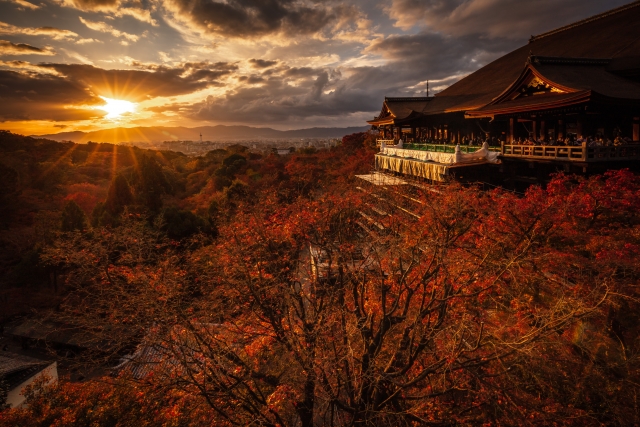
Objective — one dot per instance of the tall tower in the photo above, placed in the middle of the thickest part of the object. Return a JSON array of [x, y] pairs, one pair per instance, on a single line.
[[200, 137]]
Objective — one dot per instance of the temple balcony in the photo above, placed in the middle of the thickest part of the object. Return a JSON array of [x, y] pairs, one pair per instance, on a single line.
[[432, 161], [439, 162], [581, 153]]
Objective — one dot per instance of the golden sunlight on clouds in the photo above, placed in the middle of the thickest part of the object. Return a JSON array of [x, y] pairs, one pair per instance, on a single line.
[[116, 108], [275, 63]]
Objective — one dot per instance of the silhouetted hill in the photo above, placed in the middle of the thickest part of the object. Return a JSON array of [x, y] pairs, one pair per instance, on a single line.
[[209, 133]]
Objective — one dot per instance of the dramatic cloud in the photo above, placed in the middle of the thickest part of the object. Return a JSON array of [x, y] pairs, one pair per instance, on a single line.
[[143, 15], [103, 27], [8, 48], [26, 66], [285, 94], [69, 91], [252, 19], [138, 85], [54, 33], [261, 63], [92, 5], [29, 96], [289, 93], [513, 19], [433, 56], [85, 41], [138, 9], [23, 4], [170, 108]]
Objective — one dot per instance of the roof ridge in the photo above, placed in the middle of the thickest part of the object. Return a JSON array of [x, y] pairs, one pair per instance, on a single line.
[[408, 98], [564, 60], [587, 20]]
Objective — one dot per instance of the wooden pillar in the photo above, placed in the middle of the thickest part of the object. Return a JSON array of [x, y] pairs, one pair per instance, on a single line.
[[636, 129], [512, 126], [543, 131], [535, 128], [561, 130], [580, 126]]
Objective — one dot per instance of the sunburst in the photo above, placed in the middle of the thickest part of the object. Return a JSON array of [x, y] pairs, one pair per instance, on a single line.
[[115, 108]]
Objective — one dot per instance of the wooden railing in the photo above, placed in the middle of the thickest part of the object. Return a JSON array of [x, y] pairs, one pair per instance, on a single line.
[[574, 154], [622, 152], [385, 142], [446, 148], [438, 148]]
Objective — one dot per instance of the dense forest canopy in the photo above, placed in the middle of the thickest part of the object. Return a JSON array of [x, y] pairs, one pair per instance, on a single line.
[[424, 305]]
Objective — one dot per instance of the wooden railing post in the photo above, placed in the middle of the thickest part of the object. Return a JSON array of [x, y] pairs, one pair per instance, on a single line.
[[584, 151]]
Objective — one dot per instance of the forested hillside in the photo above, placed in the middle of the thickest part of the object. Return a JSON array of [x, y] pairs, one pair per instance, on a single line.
[[40, 179], [425, 306]]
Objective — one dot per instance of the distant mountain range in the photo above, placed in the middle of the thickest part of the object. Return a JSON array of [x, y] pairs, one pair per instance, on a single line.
[[209, 133]]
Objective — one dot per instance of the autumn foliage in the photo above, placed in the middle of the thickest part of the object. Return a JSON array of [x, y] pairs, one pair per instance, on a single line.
[[423, 305]]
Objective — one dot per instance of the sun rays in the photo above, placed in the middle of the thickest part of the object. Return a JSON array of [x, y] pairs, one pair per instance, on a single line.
[[116, 108]]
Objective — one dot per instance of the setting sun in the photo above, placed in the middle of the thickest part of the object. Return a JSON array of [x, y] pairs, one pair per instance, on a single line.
[[116, 107]]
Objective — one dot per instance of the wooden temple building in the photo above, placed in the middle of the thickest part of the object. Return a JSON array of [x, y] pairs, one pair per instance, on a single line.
[[568, 101]]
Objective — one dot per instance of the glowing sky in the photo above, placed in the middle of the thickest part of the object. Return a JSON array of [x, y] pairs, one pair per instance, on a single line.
[[281, 63]]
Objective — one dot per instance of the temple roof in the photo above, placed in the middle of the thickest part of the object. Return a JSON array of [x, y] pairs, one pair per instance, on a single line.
[[554, 82], [402, 107], [15, 368], [397, 109], [583, 76], [532, 103], [613, 35]]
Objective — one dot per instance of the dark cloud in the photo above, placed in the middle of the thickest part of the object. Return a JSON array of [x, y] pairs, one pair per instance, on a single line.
[[169, 108], [294, 93], [319, 84], [433, 56], [8, 48], [137, 85], [252, 79], [250, 18], [300, 72], [515, 19], [28, 96], [206, 65], [262, 63]]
